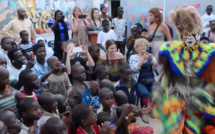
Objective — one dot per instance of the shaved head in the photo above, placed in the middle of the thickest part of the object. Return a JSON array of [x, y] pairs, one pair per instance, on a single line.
[[21, 12]]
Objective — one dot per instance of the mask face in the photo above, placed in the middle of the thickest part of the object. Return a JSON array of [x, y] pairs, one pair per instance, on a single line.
[[190, 40]]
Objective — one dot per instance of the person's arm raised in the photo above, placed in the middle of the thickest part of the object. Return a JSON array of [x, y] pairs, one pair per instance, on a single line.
[[90, 62]]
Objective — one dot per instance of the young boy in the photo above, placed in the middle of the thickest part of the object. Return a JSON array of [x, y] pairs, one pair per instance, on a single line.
[[54, 125], [29, 80], [3, 61], [5, 47], [103, 36], [105, 83], [58, 81], [25, 45], [30, 112], [102, 72], [11, 122], [85, 119], [81, 91], [49, 105], [94, 51]]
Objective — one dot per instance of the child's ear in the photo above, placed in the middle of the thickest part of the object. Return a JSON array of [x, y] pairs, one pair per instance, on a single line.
[[83, 122], [24, 114]]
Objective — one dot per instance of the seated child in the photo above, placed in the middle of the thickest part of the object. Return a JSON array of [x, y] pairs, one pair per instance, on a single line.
[[25, 45], [3, 61], [5, 46], [54, 125], [49, 50], [11, 122], [58, 81], [30, 112], [80, 92], [85, 119], [102, 72], [49, 105], [94, 51], [3, 128], [29, 80]]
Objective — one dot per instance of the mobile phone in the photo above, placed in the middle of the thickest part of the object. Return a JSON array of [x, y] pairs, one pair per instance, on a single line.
[[77, 50], [149, 50], [82, 16]]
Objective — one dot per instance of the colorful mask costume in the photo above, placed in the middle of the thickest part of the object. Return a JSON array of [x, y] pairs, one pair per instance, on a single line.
[[184, 101]]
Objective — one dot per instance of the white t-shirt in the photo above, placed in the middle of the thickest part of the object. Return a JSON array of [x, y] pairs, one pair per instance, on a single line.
[[103, 37], [205, 20], [119, 28], [14, 72]]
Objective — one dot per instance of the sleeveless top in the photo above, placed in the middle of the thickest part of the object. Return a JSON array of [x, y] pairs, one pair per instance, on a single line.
[[159, 35], [96, 28]]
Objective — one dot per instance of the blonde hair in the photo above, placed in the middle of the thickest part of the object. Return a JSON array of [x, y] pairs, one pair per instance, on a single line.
[[73, 11], [139, 42]]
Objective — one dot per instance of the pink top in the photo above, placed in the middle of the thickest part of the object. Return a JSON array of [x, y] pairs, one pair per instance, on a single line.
[[29, 96]]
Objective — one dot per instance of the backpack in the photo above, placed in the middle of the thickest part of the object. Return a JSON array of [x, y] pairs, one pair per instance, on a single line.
[[171, 32]]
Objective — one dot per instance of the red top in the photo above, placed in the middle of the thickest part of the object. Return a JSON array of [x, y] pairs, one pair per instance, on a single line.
[[94, 127]]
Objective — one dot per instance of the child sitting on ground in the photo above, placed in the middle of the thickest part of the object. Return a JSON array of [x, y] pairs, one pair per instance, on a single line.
[[49, 105], [30, 112], [5, 46], [80, 92], [29, 80], [54, 125], [58, 81], [11, 122], [102, 72], [25, 45], [94, 51]]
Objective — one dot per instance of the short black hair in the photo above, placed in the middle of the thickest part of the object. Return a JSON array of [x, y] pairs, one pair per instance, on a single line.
[[22, 32], [74, 68], [120, 98], [24, 105], [11, 52], [36, 46], [51, 125], [103, 117], [100, 69], [124, 67], [23, 76], [80, 113], [93, 47], [104, 21], [3, 40], [103, 92], [44, 98], [105, 83], [209, 6]]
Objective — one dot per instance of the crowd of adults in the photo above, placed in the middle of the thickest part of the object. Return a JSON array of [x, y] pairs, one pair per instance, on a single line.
[[99, 66]]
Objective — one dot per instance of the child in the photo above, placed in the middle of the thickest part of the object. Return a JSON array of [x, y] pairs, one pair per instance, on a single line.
[[3, 61], [49, 50], [54, 125], [81, 91], [103, 117], [25, 45], [85, 119], [63, 106], [103, 36], [102, 72], [108, 84], [30, 112], [58, 81], [94, 51], [49, 105], [127, 84], [29, 80], [9, 119], [3, 128], [5, 46]]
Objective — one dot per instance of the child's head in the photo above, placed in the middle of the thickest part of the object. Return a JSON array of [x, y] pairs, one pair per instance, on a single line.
[[54, 62], [103, 117], [83, 115], [9, 119], [62, 103], [29, 109], [120, 98], [40, 51], [106, 25], [102, 72], [134, 31], [94, 51], [6, 43], [54, 125], [78, 72], [3, 61], [24, 36], [139, 28], [29, 79], [63, 45], [105, 83], [48, 102], [3, 128], [126, 72], [69, 45], [4, 77], [106, 98], [16, 57]]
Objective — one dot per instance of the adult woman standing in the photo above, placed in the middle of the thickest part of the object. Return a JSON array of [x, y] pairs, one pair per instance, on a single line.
[[112, 59], [79, 28], [142, 65], [96, 25], [157, 30], [104, 15], [60, 29]]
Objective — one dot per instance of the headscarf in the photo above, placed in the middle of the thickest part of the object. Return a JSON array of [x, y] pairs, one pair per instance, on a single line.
[[49, 51]]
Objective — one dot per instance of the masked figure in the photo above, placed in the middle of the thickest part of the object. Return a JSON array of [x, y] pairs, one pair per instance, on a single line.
[[184, 101]]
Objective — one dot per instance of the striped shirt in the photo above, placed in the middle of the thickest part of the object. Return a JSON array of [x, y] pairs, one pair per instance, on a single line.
[[26, 47]]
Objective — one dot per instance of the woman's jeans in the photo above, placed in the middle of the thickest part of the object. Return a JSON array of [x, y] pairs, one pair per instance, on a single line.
[[144, 93]]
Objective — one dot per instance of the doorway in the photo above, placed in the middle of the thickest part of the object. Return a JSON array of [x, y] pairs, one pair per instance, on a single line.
[[114, 5]]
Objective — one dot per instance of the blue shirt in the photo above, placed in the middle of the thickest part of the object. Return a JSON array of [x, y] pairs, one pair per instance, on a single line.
[[62, 34], [86, 97]]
